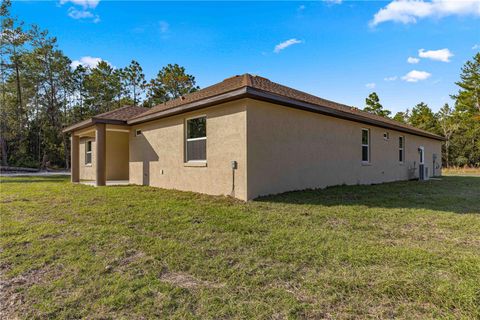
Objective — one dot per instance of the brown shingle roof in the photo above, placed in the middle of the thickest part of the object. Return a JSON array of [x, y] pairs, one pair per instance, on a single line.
[[123, 113], [117, 116], [257, 87], [227, 85]]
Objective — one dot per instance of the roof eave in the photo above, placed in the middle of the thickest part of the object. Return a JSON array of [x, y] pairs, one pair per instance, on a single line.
[[249, 92], [91, 122]]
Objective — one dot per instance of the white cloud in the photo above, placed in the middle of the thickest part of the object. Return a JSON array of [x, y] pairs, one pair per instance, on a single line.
[[393, 78], [413, 60], [301, 7], [415, 76], [476, 46], [443, 55], [285, 44], [87, 62], [85, 10], [83, 3], [79, 14], [371, 85], [82, 14], [409, 11], [164, 26]]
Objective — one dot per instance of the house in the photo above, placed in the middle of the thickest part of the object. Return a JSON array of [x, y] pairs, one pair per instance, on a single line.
[[246, 137]]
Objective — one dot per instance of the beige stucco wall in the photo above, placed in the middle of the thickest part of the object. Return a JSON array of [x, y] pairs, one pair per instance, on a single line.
[[117, 155], [290, 149], [283, 149], [157, 156]]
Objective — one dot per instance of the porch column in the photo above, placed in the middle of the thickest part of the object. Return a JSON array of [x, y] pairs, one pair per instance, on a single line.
[[101, 163], [74, 158]]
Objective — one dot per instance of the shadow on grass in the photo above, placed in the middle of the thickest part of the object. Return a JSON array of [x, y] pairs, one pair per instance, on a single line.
[[457, 194], [450, 194], [33, 179]]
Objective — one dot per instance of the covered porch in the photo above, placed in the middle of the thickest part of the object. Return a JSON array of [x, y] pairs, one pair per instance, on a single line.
[[100, 155], [100, 147]]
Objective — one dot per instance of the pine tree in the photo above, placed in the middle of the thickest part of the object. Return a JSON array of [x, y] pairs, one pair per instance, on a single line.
[[103, 88], [13, 39], [171, 82], [468, 97], [373, 106], [79, 109], [134, 81], [448, 126], [50, 80], [402, 117], [466, 140], [422, 117]]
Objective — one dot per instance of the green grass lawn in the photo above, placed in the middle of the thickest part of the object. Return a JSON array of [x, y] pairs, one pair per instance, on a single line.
[[397, 250]]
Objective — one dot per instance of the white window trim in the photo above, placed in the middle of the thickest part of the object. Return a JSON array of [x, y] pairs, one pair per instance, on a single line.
[[194, 139], [196, 161], [366, 145], [422, 158], [402, 149], [89, 152]]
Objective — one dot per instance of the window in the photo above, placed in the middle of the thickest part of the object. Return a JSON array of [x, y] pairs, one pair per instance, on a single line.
[[138, 132], [386, 136], [196, 139], [401, 149], [88, 152], [365, 145]]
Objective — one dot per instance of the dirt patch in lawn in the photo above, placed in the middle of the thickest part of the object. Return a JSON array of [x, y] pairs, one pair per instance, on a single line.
[[186, 281], [128, 262], [12, 291]]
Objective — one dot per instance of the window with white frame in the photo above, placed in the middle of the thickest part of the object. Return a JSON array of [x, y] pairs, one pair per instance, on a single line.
[[401, 149], [138, 132], [196, 139], [88, 152], [365, 145]]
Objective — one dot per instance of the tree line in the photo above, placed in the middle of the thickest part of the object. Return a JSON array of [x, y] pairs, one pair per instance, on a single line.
[[459, 125], [41, 92]]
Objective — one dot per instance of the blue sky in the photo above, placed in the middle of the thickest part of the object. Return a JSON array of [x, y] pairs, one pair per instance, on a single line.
[[339, 50]]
